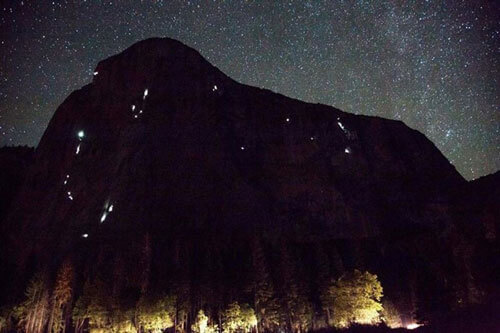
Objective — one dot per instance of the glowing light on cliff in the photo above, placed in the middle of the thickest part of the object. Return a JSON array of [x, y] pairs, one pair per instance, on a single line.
[[312, 138], [214, 88], [287, 120], [341, 125], [95, 73], [242, 148], [66, 180], [140, 111], [412, 326], [145, 94], [85, 235], [70, 197], [81, 135], [77, 150], [347, 150], [133, 107], [107, 210], [135, 116]]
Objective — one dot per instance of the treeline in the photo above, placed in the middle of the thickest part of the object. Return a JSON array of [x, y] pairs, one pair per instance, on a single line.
[[185, 282], [354, 298]]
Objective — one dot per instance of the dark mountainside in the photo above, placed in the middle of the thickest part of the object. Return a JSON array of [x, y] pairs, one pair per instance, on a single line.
[[14, 162], [166, 176]]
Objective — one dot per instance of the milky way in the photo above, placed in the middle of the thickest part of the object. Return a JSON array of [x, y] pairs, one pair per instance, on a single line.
[[433, 64]]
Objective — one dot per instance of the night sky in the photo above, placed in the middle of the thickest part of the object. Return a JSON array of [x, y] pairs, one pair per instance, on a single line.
[[433, 64]]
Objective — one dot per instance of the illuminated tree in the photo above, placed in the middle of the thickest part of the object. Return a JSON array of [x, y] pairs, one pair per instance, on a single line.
[[80, 309], [93, 307], [182, 304], [238, 318], [4, 319], [6, 313], [266, 304], [181, 287], [34, 311], [60, 298], [98, 313], [354, 298], [156, 315], [322, 280], [201, 324], [232, 319], [248, 318], [121, 322], [298, 309]]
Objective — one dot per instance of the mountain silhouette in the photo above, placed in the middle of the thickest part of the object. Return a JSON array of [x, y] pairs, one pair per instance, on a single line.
[[164, 172]]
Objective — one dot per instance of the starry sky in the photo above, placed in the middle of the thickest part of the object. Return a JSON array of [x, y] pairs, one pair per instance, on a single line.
[[433, 64]]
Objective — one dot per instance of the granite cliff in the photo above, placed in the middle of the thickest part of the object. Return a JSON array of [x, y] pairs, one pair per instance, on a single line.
[[164, 172]]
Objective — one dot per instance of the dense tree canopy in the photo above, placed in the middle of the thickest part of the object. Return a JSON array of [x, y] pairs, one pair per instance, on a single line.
[[202, 325], [354, 298], [281, 287], [33, 312], [156, 315]]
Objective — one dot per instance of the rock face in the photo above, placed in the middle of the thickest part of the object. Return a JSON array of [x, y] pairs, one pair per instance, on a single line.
[[477, 206], [14, 162], [164, 149]]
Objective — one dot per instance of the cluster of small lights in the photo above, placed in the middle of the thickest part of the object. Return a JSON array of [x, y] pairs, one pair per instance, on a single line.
[[137, 114], [107, 210], [341, 126], [435, 67], [347, 150], [80, 135]]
